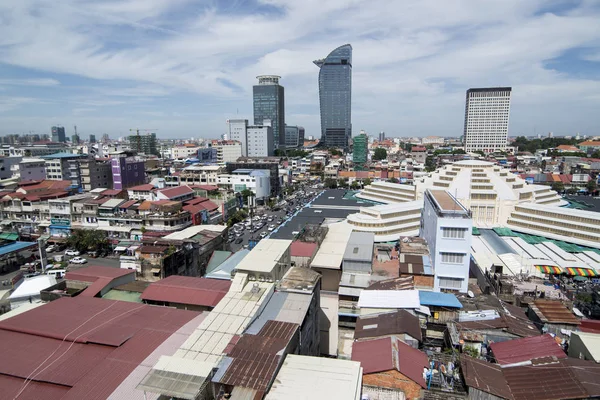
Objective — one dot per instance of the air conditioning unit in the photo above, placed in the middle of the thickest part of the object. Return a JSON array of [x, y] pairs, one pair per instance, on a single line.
[[261, 278], [251, 278]]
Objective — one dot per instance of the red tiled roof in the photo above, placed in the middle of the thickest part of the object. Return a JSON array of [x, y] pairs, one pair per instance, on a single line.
[[153, 249], [209, 205], [389, 353], [418, 148], [111, 339], [176, 191], [205, 187], [526, 349], [91, 273], [567, 147], [303, 249], [142, 188], [590, 143], [187, 290]]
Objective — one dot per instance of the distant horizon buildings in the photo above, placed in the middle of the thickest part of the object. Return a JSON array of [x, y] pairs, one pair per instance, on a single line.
[[255, 140], [335, 96], [58, 134], [269, 104], [294, 136], [487, 112]]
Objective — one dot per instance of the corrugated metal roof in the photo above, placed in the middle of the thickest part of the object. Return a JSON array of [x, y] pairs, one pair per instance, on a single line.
[[303, 249], [300, 375], [187, 290], [484, 376], [112, 203], [96, 287], [401, 321], [128, 332], [401, 283], [217, 258], [360, 247], [554, 312], [526, 349], [176, 191], [389, 299], [389, 353], [11, 386], [439, 299], [224, 270], [90, 274], [33, 286]]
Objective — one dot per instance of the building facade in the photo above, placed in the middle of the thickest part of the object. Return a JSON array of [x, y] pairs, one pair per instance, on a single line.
[[236, 130], [185, 151], [95, 174], [32, 169], [487, 112], [227, 150], [58, 166], [127, 171], [446, 225], [58, 134], [360, 151], [257, 181], [294, 136], [144, 143], [92, 138], [335, 96], [269, 104], [260, 141]]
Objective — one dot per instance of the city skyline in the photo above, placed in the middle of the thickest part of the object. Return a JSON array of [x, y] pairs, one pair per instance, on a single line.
[[185, 69]]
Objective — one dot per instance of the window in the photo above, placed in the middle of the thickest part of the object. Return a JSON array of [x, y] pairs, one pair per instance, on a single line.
[[450, 283], [454, 233], [453, 258]]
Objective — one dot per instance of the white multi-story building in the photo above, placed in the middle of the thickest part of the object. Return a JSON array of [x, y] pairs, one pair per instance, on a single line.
[[486, 119], [227, 150], [236, 130], [257, 181], [185, 151], [447, 226], [260, 141]]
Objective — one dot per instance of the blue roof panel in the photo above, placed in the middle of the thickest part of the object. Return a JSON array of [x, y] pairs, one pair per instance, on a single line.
[[14, 247], [439, 299]]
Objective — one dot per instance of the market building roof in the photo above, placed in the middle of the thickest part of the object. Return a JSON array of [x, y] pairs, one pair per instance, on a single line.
[[187, 290], [554, 312], [526, 349]]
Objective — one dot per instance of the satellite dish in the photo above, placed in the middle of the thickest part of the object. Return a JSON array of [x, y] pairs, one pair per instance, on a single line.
[[470, 294]]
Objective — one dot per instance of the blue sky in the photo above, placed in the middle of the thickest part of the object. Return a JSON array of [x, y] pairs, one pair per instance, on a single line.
[[183, 67]]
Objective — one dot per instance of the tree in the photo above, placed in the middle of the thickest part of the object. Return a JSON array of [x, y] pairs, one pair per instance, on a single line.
[[430, 164], [330, 183], [335, 152], [380, 154], [393, 180], [88, 240], [595, 154], [343, 183], [366, 182], [558, 187], [245, 194], [592, 185], [354, 185]]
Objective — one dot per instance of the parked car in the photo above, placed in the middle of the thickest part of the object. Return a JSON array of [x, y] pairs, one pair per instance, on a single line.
[[271, 227], [263, 235], [51, 249], [78, 260], [72, 252], [92, 254], [239, 240]]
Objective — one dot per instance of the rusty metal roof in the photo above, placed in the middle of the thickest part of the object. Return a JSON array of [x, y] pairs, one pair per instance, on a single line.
[[484, 376], [389, 353], [393, 323], [401, 283], [526, 349], [554, 312], [187, 290], [91, 273]]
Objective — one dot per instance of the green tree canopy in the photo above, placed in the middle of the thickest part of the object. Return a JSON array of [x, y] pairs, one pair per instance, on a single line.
[[558, 186], [88, 240], [380, 154]]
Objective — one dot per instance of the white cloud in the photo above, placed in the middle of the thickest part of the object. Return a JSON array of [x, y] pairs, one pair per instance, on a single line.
[[30, 82], [412, 60]]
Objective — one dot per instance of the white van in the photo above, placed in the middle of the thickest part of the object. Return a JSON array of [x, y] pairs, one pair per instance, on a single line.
[[57, 273]]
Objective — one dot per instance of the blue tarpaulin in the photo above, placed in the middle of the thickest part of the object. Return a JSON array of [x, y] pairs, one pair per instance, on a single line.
[[14, 247], [438, 299]]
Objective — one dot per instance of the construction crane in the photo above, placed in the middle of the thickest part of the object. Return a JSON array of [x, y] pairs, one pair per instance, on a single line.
[[137, 130]]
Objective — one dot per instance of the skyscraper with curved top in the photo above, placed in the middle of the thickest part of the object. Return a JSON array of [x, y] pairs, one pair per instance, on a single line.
[[335, 95]]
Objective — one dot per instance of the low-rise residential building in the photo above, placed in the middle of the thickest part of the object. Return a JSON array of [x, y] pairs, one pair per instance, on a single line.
[[94, 173], [179, 193], [268, 261], [141, 192], [196, 175], [185, 151], [227, 150], [257, 181], [186, 292], [57, 165], [585, 346], [418, 154]]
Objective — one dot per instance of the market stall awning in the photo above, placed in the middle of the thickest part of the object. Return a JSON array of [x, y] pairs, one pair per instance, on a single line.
[[120, 248], [581, 272], [549, 269]]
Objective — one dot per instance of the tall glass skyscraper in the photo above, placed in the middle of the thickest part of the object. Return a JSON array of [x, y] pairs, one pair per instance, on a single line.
[[269, 104], [335, 95]]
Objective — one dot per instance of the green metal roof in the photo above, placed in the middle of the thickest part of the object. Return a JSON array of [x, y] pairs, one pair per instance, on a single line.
[[123, 295], [217, 259]]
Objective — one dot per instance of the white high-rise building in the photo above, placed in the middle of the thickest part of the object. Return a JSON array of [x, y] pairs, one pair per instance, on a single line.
[[446, 225], [486, 119], [260, 141], [236, 130]]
